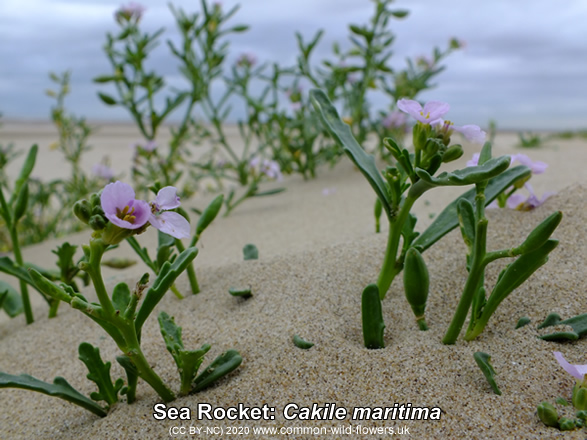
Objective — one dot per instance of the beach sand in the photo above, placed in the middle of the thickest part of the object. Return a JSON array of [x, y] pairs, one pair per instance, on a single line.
[[316, 254]]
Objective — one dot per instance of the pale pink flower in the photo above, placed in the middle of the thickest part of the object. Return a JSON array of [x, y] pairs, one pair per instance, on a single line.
[[246, 60], [121, 208], [575, 370], [170, 223], [431, 113], [395, 119], [103, 171]]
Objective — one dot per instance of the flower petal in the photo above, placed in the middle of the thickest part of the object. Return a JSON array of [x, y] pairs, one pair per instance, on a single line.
[[474, 160], [473, 133], [575, 370], [140, 210], [536, 167], [409, 106], [116, 195], [167, 198], [434, 110], [171, 223]]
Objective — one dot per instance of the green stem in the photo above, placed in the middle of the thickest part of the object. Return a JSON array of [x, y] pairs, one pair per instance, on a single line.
[[190, 269], [24, 291], [477, 270], [53, 308], [134, 352], [390, 267], [94, 269]]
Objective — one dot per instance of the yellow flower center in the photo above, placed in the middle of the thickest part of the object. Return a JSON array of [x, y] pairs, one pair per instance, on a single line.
[[126, 214]]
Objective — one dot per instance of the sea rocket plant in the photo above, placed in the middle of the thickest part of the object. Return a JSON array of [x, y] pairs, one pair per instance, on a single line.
[[398, 189]]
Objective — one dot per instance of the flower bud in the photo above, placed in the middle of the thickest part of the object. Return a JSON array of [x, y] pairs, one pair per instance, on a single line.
[[82, 210], [548, 414], [97, 222], [452, 153], [95, 200]]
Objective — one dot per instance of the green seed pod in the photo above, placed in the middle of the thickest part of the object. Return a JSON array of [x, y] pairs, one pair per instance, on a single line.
[[377, 212], [453, 153], [21, 202], [548, 414], [540, 234], [416, 285], [83, 210], [209, 214]]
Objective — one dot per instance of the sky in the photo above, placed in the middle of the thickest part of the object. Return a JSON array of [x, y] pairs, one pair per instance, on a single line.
[[524, 64]]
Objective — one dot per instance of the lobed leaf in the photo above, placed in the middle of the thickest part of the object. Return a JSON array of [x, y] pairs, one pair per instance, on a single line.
[[59, 388], [482, 360], [99, 373]]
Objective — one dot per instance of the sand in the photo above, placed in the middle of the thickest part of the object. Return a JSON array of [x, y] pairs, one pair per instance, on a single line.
[[316, 254]]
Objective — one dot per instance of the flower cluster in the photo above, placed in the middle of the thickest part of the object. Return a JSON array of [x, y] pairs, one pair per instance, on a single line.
[[268, 167], [124, 211], [131, 12], [431, 114], [246, 60]]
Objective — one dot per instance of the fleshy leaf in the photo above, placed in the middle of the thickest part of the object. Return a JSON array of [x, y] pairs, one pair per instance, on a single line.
[[372, 317], [482, 360], [120, 297], [341, 132], [209, 215], [577, 323], [167, 276], [447, 220], [243, 292], [188, 361], [10, 299], [250, 252], [222, 365], [59, 388], [99, 372], [301, 343], [469, 175]]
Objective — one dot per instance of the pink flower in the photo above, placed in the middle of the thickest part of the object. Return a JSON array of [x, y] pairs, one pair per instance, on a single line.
[[246, 60], [170, 223], [103, 171], [431, 113], [268, 167], [395, 119], [121, 208], [536, 167], [472, 133], [575, 370], [130, 11], [519, 202]]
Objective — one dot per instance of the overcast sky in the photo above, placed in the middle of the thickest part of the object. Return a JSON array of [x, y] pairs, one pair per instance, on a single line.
[[525, 63]]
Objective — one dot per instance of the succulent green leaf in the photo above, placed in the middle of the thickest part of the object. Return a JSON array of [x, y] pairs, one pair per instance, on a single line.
[[372, 317], [107, 99], [447, 220], [250, 252], [167, 276], [188, 361], [577, 323], [25, 172], [540, 234], [482, 360], [10, 299], [221, 366], [59, 388], [523, 321], [341, 133], [120, 297], [99, 373], [209, 215], [469, 175], [466, 216], [269, 192], [301, 343], [48, 288], [548, 414], [516, 273], [21, 202], [243, 292], [132, 377]]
